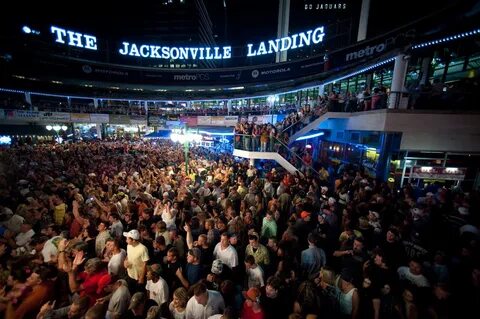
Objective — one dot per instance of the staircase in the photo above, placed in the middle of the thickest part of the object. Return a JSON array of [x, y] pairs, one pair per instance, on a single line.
[[269, 154]]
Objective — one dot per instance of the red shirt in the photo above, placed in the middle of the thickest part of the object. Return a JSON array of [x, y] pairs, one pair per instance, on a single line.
[[90, 285], [248, 313]]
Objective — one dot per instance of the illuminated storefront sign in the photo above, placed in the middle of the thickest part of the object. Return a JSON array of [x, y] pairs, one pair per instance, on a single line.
[[443, 173], [294, 41]]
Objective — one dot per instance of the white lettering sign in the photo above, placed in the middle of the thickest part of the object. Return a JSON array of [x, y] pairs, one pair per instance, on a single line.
[[287, 43], [175, 53], [75, 39]]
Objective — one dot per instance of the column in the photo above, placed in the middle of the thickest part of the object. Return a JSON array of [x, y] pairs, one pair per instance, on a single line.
[[398, 81], [229, 106], [98, 127], [145, 105], [95, 103], [321, 89], [363, 23], [369, 80], [282, 28], [425, 70], [252, 162], [72, 127], [28, 99], [383, 164]]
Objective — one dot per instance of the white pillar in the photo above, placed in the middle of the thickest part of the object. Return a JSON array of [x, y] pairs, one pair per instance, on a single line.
[[95, 103], [229, 106], [98, 126], [283, 25], [398, 81], [363, 23], [252, 161], [321, 89], [28, 98]]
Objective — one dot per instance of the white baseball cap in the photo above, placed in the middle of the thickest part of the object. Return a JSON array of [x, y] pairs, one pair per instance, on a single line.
[[133, 234]]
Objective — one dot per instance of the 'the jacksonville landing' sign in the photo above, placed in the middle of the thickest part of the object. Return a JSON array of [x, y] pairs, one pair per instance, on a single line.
[[294, 41]]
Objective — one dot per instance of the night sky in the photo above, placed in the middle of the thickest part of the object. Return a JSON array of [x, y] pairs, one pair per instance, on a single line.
[[242, 22]]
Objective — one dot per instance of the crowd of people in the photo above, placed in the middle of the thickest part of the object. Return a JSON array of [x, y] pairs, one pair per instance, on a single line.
[[121, 229]]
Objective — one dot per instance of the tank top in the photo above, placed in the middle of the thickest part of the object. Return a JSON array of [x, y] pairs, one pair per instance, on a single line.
[[346, 302]]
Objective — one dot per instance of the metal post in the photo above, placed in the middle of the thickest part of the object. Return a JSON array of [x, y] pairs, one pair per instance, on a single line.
[[186, 146], [404, 168]]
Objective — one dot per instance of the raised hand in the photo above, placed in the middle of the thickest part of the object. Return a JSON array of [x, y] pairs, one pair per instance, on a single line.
[[79, 259]]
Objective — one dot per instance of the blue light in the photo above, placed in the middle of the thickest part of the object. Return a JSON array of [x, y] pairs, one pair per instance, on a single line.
[[214, 133], [26, 30], [306, 137], [449, 38]]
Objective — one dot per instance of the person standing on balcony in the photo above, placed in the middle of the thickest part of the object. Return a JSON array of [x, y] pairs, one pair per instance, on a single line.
[[264, 140], [272, 136], [247, 131], [256, 132]]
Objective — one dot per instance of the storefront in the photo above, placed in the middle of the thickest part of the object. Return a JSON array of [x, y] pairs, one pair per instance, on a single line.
[[445, 169]]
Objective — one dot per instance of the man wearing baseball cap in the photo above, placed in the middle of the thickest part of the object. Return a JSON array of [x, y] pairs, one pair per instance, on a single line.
[[251, 306], [136, 261]]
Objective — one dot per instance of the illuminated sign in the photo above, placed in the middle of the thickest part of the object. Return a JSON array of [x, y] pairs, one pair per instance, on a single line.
[[175, 53], [445, 173], [369, 50], [294, 41], [288, 43], [75, 39]]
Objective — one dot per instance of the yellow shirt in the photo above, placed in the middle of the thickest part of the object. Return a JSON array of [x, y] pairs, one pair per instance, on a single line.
[[59, 213], [136, 257]]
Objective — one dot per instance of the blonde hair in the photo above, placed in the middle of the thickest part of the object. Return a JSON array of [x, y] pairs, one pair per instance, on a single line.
[[182, 295], [328, 276]]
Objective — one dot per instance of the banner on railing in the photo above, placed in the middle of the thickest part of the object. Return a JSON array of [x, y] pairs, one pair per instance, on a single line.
[[230, 120], [80, 117], [119, 119], [204, 120], [155, 120], [138, 119], [35, 116], [61, 117], [99, 118], [262, 119], [190, 121]]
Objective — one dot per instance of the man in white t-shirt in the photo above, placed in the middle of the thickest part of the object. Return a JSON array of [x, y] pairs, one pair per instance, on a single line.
[[25, 235], [226, 252], [254, 273], [204, 303], [413, 273], [156, 286], [136, 261], [115, 264]]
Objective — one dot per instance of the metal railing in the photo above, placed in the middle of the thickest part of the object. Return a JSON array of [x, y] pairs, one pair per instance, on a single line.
[[295, 127]]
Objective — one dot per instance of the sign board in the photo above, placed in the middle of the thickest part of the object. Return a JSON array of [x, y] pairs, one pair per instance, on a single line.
[[443, 173]]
